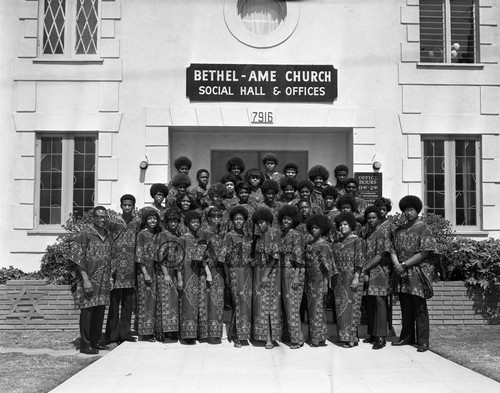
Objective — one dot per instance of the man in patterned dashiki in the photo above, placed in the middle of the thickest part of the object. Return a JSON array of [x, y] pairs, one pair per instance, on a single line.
[[91, 252]]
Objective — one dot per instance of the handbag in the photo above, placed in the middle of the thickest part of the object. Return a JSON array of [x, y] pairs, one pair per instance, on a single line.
[[426, 283]]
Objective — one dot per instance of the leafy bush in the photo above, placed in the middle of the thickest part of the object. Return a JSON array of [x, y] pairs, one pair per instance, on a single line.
[[12, 273]]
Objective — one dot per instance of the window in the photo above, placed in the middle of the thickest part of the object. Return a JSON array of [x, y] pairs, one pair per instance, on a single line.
[[448, 31], [66, 168], [69, 28], [451, 173], [262, 16]]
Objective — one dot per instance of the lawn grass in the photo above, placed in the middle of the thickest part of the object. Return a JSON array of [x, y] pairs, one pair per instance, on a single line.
[[38, 373], [474, 347]]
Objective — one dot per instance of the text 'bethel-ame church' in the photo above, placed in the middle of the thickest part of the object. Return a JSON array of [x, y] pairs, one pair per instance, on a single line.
[[405, 92]]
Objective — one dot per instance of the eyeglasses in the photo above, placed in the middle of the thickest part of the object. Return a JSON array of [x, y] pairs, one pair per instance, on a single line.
[[103, 218]]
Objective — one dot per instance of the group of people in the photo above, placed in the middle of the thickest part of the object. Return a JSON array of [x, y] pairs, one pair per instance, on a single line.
[[280, 245]]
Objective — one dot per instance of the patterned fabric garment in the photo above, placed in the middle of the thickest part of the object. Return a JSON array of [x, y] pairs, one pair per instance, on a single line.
[[201, 196], [92, 254], [256, 197], [348, 255], [317, 198], [145, 254], [235, 252], [215, 290], [409, 241], [170, 254], [193, 312], [291, 258], [267, 296], [319, 266], [231, 202], [124, 236], [378, 242]]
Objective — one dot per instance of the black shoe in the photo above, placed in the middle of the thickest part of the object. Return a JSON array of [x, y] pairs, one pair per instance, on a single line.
[[214, 340], [350, 344], [100, 346], [404, 341], [379, 343], [89, 351], [189, 341], [129, 339], [423, 348], [370, 340]]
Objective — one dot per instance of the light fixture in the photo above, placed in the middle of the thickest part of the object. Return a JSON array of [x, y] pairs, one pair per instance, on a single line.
[[144, 163], [376, 165]]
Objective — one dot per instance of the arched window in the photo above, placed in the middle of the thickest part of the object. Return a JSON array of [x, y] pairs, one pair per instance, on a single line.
[[262, 16]]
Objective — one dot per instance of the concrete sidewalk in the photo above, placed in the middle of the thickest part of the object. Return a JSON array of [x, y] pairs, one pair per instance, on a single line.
[[156, 367]]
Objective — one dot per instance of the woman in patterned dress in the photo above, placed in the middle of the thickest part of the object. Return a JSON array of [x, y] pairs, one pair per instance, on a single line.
[[413, 247], [377, 276], [214, 287], [235, 255], [319, 269], [193, 305], [170, 258], [292, 274], [348, 253], [255, 177], [267, 289], [145, 255]]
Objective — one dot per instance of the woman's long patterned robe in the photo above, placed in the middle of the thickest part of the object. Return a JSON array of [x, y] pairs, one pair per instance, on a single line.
[[348, 255]]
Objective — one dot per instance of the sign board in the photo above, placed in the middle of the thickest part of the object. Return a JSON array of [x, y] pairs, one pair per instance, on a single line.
[[261, 83], [369, 185]]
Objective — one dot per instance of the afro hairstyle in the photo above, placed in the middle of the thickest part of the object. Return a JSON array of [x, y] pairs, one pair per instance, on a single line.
[[330, 191], [318, 170], [235, 161], [200, 171], [305, 183], [181, 179], [182, 160], [372, 209], [158, 187], [290, 211], [217, 189], [347, 217], [347, 199], [287, 181], [241, 185], [255, 172], [341, 168], [180, 197], [213, 211], [351, 180], [384, 202], [262, 213], [191, 215], [148, 212], [269, 185], [127, 197], [228, 177], [238, 209], [270, 157], [291, 165], [323, 222], [171, 214], [411, 201]]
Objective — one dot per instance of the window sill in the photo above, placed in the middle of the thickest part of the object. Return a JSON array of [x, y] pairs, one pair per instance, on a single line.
[[462, 66], [47, 232], [472, 233], [96, 60]]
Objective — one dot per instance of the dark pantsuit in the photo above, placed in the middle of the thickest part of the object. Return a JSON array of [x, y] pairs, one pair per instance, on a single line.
[[91, 320], [414, 312], [376, 309], [118, 324]]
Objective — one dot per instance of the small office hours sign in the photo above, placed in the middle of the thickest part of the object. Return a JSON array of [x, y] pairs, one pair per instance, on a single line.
[[261, 83], [369, 185]]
